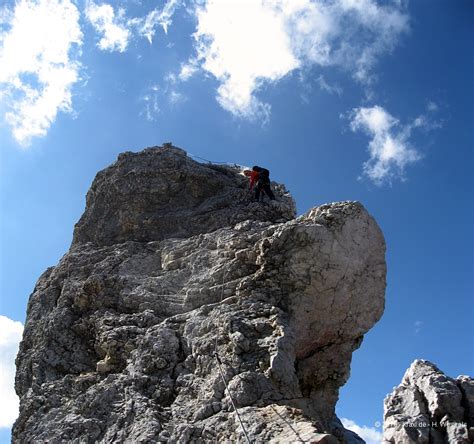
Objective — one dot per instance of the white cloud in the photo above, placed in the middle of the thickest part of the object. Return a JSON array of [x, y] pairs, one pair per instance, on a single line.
[[248, 44], [10, 337], [5, 15], [390, 150], [242, 44], [369, 434], [39, 65], [111, 26], [188, 70], [158, 17]]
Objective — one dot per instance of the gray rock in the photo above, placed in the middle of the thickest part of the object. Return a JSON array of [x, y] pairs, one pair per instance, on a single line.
[[176, 286], [161, 193], [429, 407]]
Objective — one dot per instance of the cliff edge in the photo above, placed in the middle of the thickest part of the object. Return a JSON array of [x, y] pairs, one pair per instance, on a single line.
[[180, 297]]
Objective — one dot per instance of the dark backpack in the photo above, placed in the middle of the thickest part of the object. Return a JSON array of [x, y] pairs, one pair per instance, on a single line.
[[263, 173]]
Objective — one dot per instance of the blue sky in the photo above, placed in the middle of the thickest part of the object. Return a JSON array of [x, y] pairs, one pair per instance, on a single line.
[[340, 99]]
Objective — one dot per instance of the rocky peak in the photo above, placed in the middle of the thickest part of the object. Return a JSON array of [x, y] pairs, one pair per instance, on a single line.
[[161, 193], [180, 299], [430, 407]]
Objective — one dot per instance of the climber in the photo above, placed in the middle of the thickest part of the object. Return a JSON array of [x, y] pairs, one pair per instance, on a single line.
[[261, 176]]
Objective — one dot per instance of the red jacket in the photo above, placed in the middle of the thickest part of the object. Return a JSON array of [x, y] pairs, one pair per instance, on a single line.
[[253, 178]]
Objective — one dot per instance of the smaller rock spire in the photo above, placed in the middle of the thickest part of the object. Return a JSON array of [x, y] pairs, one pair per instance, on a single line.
[[430, 407]]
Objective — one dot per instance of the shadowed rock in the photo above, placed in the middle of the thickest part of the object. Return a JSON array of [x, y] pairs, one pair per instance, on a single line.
[[171, 263]]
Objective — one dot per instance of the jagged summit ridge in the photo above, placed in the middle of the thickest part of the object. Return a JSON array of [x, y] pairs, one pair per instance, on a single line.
[[160, 193], [430, 407], [120, 339]]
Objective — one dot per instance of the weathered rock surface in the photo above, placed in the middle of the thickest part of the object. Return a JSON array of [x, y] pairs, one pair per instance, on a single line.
[[154, 196], [430, 407], [170, 264]]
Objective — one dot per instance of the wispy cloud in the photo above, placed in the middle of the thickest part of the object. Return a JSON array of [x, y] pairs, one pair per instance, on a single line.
[[245, 45], [188, 70], [171, 87], [110, 25], [390, 148], [10, 337], [39, 50], [161, 94], [325, 86], [150, 99], [117, 29], [369, 434], [159, 17], [249, 44], [175, 97], [432, 107]]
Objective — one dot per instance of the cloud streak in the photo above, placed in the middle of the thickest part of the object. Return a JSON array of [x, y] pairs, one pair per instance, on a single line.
[[39, 50], [10, 336]]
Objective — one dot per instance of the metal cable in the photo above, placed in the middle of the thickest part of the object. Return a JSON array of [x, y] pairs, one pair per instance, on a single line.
[[231, 399], [219, 363], [210, 161]]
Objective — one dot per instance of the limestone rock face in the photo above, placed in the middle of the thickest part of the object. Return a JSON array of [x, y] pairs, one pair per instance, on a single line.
[[430, 407], [162, 193], [176, 286]]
